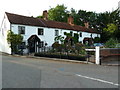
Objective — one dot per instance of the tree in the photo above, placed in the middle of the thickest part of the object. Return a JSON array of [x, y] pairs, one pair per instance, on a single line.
[[103, 19], [86, 16], [111, 28], [71, 38], [97, 21], [14, 40], [76, 38], [75, 15], [59, 13], [111, 43], [96, 40], [39, 17]]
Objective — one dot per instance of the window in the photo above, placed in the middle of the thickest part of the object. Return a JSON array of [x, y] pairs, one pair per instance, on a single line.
[[80, 34], [65, 33], [97, 35], [61, 31], [21, 29], [71, 33], [41, 44], [56, 33], [40, 31], [91, 35]]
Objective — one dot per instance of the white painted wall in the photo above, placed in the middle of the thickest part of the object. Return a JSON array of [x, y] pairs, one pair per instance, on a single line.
[[49, 33], [4, 46], [48, 37]]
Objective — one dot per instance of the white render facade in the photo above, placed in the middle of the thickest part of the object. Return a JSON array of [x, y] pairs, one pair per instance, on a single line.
[[49, 33], [47, 37], [4, 46]]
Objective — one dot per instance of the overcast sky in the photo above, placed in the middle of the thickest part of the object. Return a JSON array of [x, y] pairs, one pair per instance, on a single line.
[[35, 7]]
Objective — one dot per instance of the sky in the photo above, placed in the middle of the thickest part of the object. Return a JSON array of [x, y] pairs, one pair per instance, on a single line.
[[36, 7]]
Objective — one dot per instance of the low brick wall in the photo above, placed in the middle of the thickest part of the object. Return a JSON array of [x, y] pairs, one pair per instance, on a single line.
[[110, 54]]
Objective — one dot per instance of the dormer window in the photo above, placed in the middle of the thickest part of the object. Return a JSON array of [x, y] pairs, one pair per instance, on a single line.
[[21, 30]]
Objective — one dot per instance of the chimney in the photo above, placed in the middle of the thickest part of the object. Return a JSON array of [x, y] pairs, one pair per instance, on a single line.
[[86, 24], [70, 20], [45, 15]]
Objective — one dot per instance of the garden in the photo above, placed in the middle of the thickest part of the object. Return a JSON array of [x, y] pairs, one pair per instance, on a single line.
[[68, 48]]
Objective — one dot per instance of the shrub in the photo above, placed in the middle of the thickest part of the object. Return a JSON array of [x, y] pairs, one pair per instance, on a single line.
[[111, 43], [56, 46], [62, 56], [96, 40], [76, 57]]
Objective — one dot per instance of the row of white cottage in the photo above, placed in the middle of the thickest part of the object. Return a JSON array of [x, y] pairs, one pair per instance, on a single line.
[[40, 30]]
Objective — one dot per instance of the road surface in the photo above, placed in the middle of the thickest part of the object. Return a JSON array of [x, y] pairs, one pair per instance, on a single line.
[[21, 72]]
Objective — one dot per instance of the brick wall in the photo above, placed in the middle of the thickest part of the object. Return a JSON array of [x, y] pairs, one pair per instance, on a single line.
[[109, 54]]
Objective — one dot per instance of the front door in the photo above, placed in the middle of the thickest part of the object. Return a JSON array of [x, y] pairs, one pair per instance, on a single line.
[[32, 42], [32, 47]]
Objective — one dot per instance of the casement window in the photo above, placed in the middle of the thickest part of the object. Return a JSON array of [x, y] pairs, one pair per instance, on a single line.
[[40, 31], [21, 30], [56, 33], [41, 44], [91, 35], [80, 34], [71, 33]]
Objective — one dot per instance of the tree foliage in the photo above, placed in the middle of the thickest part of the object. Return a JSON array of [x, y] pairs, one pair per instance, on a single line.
[[14, 40], [111, 28], [96, 40], [97, 21], [111, 43], [59, 13], [106, 18]]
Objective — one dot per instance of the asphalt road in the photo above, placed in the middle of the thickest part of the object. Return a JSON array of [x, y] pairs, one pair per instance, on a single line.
[[21, 72]]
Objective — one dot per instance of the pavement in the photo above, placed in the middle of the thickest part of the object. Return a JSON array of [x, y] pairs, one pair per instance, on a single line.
[[110, 63]]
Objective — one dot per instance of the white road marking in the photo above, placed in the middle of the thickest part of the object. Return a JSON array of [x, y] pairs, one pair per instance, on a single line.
[[100, 80]]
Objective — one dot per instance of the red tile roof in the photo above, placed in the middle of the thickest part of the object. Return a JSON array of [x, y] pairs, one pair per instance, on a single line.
[[24, 20]]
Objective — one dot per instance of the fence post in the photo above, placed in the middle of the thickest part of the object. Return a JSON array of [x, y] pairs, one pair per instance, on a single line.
[[97, 55]]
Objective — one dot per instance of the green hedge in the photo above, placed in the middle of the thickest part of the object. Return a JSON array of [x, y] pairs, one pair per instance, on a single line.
[[62, 56]]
